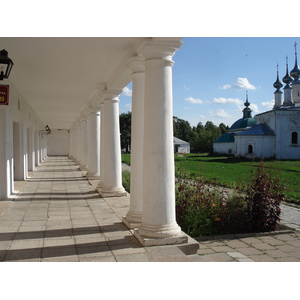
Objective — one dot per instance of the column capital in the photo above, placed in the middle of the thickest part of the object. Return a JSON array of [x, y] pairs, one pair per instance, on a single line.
[[159, 48], [135, 63], [111, 94], [94, 109]]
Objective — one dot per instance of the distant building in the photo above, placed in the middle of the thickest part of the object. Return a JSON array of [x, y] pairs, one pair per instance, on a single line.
[[181, 146], [272, 134]]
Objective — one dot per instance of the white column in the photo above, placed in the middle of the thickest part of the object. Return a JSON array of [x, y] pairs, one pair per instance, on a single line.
[[134, 215], [112, 177], [159, 224], [84, 145], [75, 142], [36, 147], [102, 143], [94, 143], [78, 145]]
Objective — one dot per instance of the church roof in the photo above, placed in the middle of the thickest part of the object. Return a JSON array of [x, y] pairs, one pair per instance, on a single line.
[[259, 129], [243, 123], [225, 138]]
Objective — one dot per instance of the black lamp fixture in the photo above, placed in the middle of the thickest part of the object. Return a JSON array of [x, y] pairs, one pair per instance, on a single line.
[[48, 129], [5, 64]]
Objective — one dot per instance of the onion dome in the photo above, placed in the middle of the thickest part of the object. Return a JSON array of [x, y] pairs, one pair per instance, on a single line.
[[247, 110], [295, 73], [287, 79], [277, 84]]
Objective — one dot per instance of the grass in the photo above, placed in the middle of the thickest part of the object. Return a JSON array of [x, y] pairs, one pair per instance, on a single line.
[[231, 171]]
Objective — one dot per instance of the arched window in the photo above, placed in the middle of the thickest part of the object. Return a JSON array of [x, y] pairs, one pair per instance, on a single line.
[[250, 149], [294, 138]]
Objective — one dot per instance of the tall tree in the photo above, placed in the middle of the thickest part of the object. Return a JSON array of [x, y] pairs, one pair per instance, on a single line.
[[125, 130]]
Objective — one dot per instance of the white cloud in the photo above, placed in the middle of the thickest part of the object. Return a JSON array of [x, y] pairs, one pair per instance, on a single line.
[[220, 113], [193, 100], [268, 105], [127, 91], [254, 108], [240, 84], [222, 100], [128, 106]]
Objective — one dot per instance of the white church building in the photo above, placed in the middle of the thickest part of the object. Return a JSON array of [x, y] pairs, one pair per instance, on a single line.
[[271, 134]]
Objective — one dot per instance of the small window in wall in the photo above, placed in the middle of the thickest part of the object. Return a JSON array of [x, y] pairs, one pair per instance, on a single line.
[[294, 138], [250, 149], [229, 151]]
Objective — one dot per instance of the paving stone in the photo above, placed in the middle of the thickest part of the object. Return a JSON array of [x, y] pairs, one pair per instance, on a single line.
[[107, 258], [249, 251], [205, 251], [271, 240], [217, 257], [222, 249], [250, 240], [289, 259], [26, 244], [262, 246], [50, 242], [23, 254], [263, 258], [236, 244], [58, 251], [277, 253], [286, 248], [135, 257]]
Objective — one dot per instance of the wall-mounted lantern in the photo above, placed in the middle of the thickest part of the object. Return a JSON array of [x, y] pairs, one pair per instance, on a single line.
[[6, 64]]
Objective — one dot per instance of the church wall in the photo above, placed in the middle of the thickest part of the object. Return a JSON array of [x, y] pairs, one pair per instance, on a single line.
[[268, 118], [224, 148], [262, 146], [287, 122]]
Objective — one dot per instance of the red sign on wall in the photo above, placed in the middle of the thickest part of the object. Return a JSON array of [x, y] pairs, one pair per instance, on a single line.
[[4, 94]]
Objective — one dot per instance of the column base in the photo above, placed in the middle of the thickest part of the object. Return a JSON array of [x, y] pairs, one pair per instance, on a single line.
[[130, 224], [93, 177], [180, 238], [113, 192]]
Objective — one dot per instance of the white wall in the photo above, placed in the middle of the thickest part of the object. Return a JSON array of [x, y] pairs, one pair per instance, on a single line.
[[16, 120], [58, 142]]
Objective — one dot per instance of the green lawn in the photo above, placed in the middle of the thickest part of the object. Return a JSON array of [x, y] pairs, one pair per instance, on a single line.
[[231, 171]]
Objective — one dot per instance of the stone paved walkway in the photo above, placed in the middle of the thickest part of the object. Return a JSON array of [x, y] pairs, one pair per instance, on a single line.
[[59, 216]]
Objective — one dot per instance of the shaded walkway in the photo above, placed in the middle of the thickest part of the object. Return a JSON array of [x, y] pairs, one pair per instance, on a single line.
[[59, 216]]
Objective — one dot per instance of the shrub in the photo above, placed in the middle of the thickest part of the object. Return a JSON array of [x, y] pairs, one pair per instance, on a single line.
[[204, 209], [264, 195], [126, 180]]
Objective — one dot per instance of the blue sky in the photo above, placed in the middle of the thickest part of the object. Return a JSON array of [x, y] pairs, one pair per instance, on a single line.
[[212, 74]]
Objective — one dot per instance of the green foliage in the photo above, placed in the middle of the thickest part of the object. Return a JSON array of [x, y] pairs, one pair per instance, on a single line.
[[203, 209], [126, 180], [126, 158], [125, 130], [201, 137], [264, 196]]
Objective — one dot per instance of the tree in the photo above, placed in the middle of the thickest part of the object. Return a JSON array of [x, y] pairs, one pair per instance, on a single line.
[[182, 129], [125, 130]]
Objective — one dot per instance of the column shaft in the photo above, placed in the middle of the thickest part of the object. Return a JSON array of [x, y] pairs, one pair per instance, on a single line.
[[112, 177], [134, 215], [159, 219], [94, 144]]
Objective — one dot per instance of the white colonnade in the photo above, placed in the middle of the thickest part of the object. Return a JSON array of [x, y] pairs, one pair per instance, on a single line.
[[152, 199]]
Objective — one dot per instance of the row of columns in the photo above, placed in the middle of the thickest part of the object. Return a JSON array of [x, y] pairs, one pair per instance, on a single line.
[[152, 199]]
